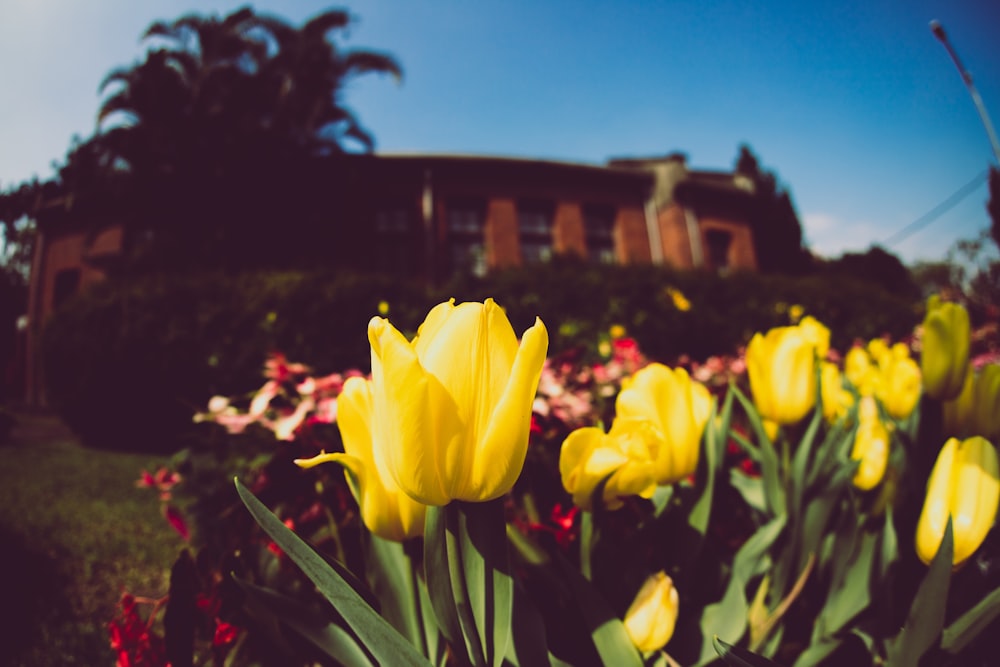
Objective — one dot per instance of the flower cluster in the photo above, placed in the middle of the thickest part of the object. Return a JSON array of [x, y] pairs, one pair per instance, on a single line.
[[436, 438]]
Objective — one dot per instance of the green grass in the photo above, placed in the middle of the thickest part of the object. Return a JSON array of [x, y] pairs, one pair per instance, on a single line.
[[75, 532]]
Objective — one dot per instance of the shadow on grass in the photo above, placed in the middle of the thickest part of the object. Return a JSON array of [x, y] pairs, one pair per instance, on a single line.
[[40, 625]]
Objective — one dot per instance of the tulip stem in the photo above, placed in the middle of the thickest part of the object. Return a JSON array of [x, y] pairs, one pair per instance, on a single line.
[[760, 632]]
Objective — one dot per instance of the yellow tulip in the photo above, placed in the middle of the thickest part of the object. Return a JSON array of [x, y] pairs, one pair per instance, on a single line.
[[878, 350], [986, 415], [965, 485], [945, 355], [836, 399], [957, 414], [588, 455], [652, 616], [782, 370], [817, 334], [676, 409], [452, 408], [898, 386], [385, 510], [859, 370], [871, 446]]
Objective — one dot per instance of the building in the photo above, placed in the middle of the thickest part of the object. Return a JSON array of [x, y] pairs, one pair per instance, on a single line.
[[428, 217]]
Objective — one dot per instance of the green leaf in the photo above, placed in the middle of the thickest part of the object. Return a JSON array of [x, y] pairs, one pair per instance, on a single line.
[[702, 509], [440, 585], [467, 568], [802, 459], [729, 615], [770, 474], [486, 563], [967, 626], [380, 638], [396, 584], [889, 551], [817, 652], [528, 644], [926, 616], [325, 635], [606, 629], [751, 488], [850, 593], [739, 657]]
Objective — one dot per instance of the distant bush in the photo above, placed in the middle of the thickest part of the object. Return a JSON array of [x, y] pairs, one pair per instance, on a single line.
[[128, 364]]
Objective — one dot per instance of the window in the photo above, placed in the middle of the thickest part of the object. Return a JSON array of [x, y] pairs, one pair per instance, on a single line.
[[466, 250], [598, 229], [718, 242], [398, 239], [534, 224]]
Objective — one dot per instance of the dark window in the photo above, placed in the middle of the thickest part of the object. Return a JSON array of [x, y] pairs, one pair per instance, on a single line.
[[718, 248], [534, 224], [398, 239], [599, 233], [466, 250], [65, 285]]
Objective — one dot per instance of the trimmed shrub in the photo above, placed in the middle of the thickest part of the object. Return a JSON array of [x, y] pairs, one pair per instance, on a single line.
[[127, 364]]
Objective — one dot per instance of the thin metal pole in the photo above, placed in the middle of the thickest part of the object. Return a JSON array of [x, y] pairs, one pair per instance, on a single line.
[[942, 37]]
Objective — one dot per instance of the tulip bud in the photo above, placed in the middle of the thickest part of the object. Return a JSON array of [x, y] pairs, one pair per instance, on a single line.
[[965, 485], [871, 446], [452, 408], [857, 365], [676, 409], [945, 349], [651, 618], [782, 370], [898, 386], [836, 399], [957, 414], [817, 334], [623, 457], [986, 413]]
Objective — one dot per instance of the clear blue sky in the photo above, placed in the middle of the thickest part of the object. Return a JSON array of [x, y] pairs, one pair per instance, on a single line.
[[854, 104]]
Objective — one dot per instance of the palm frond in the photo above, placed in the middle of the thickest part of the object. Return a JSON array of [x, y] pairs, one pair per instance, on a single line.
[[362, 62], [318, 26]]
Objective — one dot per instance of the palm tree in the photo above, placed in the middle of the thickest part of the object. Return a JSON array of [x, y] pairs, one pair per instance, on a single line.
[[219, 125]]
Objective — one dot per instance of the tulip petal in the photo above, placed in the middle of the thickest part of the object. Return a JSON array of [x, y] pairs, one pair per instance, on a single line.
[[504, 444], [404, 425]]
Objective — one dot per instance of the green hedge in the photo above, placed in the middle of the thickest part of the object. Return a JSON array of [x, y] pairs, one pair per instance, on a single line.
[[127, 364]]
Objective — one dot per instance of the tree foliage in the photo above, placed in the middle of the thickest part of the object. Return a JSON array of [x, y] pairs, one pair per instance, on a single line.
[[226, 130], [777, 232]]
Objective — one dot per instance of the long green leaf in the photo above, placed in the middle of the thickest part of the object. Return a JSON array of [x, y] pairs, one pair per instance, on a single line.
[[325, 635], [968, 626], [393, 580], [606, 630], [802, 458], [380, 638], [850, 593], [729, 616], [486, 564], [702, 510], [440, 582], [740, 657], [751, 488], [926, 616]]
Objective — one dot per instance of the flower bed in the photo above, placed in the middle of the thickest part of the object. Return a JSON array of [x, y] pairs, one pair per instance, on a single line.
[[472, 501]]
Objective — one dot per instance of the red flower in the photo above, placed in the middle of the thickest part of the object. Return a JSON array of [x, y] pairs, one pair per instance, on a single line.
[[176, 521]]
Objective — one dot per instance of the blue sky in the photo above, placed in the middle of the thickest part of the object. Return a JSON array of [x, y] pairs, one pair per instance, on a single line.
[[854, 105]]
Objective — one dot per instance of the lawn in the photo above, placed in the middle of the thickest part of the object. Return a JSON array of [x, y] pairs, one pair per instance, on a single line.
[[76, 532]]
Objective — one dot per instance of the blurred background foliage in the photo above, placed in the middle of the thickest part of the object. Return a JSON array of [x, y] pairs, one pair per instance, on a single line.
[[129, 362]]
